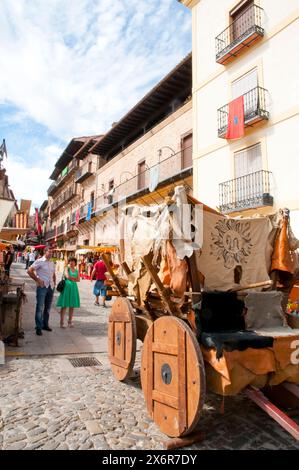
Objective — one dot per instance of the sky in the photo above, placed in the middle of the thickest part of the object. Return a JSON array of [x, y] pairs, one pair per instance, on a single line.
[[72, 68]]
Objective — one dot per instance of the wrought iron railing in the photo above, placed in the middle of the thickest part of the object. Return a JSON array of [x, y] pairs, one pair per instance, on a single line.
[[168, 168], [248, 23], [84, 172], [255, 105], [246, 192], [63, 198], [49, 234]]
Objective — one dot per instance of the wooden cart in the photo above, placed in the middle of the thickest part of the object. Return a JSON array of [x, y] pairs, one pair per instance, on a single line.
[[176, 370]]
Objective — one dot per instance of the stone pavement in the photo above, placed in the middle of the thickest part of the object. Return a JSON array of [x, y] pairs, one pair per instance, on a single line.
[[88, 336], [46, 403]]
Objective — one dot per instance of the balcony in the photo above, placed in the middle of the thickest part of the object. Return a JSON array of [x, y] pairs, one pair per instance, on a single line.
[[61, 229], [64, 198], [84, 172], [255, 110], [246, 192], [69, 170], [51, 188], [50, 234], [167, 171], [240, 34]]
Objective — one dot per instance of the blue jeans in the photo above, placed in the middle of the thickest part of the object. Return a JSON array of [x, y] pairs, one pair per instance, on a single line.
[[44, 297]]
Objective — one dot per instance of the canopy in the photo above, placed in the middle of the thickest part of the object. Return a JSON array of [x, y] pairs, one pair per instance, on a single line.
[[82, 251], [39, 246], [99, 249]]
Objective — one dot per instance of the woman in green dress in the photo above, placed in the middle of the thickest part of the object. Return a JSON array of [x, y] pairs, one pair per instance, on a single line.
[[69, 297]]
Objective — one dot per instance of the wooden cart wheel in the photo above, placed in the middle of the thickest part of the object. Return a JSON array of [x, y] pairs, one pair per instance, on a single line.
[[122, 338], [173, 376]]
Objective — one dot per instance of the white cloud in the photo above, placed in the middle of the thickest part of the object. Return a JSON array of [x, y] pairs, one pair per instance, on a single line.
[[31, 181], [76, 66]]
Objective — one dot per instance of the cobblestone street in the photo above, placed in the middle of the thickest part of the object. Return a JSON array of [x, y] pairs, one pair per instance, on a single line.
[[46, 403]]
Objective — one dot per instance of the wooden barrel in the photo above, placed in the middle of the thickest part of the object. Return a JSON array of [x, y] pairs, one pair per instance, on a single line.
[[173, 376]]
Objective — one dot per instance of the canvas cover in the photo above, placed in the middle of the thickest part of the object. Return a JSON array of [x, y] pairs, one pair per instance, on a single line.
[[235, 244]]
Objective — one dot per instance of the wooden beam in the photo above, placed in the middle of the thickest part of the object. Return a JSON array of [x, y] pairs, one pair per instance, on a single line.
[[171, 308], [114, 277]]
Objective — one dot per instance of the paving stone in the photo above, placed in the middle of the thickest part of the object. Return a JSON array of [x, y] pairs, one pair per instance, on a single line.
[[36, 431], [94, 427], [16, 446], [38, 437], [15, 438]]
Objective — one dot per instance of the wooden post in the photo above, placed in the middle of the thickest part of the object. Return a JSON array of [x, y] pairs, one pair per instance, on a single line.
[[171, 308], [114, 277]]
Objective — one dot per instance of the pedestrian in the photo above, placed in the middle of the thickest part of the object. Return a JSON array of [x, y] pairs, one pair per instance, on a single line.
[[99, 271], [69, 297], [32, 258], [19, 257], [8, 259], [42, 271], [27, 260]]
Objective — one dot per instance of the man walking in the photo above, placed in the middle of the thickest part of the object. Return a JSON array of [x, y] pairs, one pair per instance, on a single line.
[[99, 271], [42, 271]]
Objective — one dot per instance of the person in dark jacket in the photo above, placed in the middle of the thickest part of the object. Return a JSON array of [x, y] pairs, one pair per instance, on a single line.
[[8, 259]]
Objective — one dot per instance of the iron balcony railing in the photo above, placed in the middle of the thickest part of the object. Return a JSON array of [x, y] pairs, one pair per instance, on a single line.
[[240, 33], [172, 167], [61, 229], [255, 109], [49, 234], [84, 172], [63, 198], [246, 192]]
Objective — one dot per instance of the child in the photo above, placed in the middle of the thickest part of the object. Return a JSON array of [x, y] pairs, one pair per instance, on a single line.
[[69, 297]]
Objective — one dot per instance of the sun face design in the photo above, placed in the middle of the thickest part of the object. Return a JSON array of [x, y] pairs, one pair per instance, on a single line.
[[232, 242]]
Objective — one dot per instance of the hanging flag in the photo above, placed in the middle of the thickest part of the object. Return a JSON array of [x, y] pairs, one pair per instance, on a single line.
[[77, 216], [37, 222], [154, 178], [55, 239], [235, 126], [3, 149], [88, 215]]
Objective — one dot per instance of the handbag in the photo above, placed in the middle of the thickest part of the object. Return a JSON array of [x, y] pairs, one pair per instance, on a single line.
[[61, 285]]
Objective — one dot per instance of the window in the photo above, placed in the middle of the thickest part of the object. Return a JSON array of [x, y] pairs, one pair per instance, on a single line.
[[186, 145], [245, 83], [141, 174], [110, 191], [89, 167], [82, 194], [248, 160], [242, 17], [92, 200]]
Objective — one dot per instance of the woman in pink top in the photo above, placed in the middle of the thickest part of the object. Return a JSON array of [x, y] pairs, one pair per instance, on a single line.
[[99, 271]]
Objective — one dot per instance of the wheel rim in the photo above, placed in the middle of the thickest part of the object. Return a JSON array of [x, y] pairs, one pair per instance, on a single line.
[[173, 376], [122, 338]]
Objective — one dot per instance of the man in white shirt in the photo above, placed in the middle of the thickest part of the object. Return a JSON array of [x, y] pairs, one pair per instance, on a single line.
[[42, 271]]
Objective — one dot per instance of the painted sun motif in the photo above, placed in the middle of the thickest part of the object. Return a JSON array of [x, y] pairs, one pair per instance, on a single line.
[[232, 242]]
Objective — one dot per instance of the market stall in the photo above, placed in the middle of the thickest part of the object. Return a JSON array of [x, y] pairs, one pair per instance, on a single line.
[[87, 255]]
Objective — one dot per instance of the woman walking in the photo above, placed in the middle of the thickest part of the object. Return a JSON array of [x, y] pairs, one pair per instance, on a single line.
[[69, 297]]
